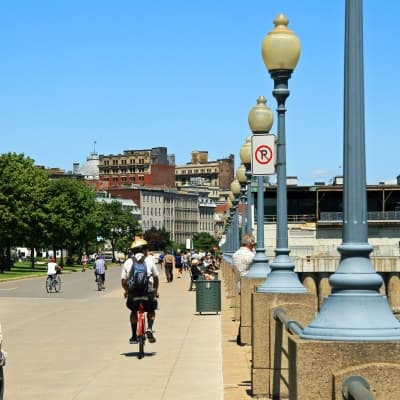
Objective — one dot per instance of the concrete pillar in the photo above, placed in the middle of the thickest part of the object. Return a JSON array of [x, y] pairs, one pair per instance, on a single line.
[[393, 289], [309, 282], [324, 288], [318, 369], [247, 288], [269, 372]]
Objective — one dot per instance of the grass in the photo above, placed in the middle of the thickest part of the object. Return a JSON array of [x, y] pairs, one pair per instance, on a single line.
[[24, 270]]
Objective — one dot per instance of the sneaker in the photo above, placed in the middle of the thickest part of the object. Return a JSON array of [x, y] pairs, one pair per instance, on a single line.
[[150, 336], [133, 340]]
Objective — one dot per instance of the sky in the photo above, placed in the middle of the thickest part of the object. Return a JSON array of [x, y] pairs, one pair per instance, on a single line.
[[79, 76]]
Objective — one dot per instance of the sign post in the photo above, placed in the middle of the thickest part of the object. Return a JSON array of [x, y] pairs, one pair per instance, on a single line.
[[263, 154]]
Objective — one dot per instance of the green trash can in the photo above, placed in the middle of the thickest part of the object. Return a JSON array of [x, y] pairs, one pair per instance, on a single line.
[[208, 296]]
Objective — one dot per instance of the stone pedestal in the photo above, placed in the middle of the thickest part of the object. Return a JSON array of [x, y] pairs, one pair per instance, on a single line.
[[317, 369], [247, 288], [269, 368]]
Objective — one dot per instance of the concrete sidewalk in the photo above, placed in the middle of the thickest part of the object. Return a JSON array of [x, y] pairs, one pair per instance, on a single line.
[[68, 348]]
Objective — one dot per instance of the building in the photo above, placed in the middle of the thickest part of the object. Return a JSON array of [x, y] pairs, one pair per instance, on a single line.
[[176, 211], [137, 167], [202, 172], [315, 218]]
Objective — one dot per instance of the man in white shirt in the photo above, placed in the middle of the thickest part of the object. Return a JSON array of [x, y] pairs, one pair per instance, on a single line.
[[139, 254], [243, 257]]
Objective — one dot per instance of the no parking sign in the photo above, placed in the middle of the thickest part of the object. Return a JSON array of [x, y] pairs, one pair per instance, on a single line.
[[263, 154]]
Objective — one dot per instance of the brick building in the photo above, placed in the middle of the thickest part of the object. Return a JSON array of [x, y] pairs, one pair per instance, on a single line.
[[137, 167], [202, 172]]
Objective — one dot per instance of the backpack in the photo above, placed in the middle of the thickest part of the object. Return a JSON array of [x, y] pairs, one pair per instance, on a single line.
[[138, 281]]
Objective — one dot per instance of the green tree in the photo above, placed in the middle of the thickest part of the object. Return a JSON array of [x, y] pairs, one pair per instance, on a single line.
[[157, 239], [118, 225], [73, 216], [23, 188], [204, 241]]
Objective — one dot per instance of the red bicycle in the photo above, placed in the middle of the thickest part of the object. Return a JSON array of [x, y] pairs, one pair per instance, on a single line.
[[141, 329]]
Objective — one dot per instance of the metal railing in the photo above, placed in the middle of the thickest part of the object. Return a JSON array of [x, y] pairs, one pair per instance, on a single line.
[[291, 325], [356, 388], [372, 216]]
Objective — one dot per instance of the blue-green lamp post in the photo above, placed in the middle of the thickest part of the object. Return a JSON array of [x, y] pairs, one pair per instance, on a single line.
[[245, 158], [281, 51], [260, 120], [242, 178], [235, 190], [355, 311]]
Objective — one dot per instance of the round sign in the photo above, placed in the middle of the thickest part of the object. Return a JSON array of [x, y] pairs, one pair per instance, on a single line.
[[263, 154]]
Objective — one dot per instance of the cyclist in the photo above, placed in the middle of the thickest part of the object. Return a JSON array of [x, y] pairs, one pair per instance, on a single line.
[[139, 255], [53, 268], [100, 269]]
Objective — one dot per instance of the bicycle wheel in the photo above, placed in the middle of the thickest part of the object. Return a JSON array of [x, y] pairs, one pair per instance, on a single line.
[[48, 284], [141, 340], [99, 283], [57, 284], [1, 383], [141, 331]]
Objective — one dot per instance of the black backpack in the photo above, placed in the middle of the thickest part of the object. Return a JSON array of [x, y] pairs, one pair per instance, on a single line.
[[138, 280]]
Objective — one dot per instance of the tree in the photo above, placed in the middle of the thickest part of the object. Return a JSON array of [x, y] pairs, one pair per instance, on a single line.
[[204, 241], [157, 239], [118, 225], [72, 215], [23, 188]]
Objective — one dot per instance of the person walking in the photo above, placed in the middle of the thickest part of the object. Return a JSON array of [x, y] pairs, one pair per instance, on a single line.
[[100, 267], [84, 260], [169, 265]]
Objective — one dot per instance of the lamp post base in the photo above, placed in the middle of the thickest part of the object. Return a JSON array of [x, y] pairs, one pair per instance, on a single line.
[[282, 278], [354, 315]]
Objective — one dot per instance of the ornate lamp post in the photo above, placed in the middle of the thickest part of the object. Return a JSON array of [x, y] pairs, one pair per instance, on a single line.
[[281, 51], [230, 227], [355, 311], [245, 158], [235, 227], [260, 119], [235, 189], [242, 178]]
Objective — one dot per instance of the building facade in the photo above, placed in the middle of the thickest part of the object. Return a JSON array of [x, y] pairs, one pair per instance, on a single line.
[[137, 167], [202, 172]]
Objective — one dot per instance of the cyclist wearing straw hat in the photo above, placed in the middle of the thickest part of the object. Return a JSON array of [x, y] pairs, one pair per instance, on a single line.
[[139, 255]]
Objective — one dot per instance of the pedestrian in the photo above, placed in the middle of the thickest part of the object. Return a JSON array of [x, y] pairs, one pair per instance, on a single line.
[[242, 258], [84, 260], [178, 265], [169, 265], [100, 267]]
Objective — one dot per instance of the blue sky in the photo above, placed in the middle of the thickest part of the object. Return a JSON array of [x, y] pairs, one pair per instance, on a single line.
[[184, 74]]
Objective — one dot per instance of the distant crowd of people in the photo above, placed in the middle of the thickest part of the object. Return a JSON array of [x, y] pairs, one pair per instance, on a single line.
[[198, 263]]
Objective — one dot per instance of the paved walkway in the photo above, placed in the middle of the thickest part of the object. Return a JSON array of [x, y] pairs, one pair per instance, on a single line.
[[85, 357]]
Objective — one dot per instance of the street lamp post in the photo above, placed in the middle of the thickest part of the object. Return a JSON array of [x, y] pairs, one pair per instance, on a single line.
[[355, 311], [245, 158], [235, 189], [281, 51], [260, 120], [241, 177]]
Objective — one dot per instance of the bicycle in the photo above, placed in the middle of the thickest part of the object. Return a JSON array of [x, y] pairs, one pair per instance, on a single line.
[[141, 327], [53, 284], [100, 282]]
